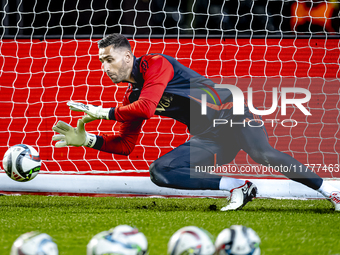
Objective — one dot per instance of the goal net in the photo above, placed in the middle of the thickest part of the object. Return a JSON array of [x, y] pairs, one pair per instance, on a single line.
[[49, 55]]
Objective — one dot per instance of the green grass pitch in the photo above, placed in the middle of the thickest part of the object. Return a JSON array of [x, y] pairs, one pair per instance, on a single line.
[[284, 226]]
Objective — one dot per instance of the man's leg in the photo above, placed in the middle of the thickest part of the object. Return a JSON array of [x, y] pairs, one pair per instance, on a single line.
[[254, 141], [187, 166]]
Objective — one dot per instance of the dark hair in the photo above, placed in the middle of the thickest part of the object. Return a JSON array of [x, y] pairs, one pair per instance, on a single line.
[[116, 40]]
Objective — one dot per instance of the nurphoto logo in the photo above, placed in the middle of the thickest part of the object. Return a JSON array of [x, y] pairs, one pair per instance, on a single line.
[[238, 105]]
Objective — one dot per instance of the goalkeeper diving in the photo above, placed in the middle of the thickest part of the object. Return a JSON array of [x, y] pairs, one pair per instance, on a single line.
[[160, 85]]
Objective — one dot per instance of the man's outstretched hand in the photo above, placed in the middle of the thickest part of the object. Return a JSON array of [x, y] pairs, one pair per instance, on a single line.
[[95, 112], [70, 136]]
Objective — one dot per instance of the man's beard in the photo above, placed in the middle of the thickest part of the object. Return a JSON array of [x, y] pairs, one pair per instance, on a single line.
[[121, 75]]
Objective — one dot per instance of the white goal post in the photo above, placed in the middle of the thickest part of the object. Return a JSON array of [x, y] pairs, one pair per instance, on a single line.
[[49, 55]]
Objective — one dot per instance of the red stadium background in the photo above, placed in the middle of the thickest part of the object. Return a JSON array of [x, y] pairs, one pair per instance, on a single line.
[[39, 77]]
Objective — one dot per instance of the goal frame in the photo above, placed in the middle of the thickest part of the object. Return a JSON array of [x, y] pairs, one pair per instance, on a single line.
[[88, 184]]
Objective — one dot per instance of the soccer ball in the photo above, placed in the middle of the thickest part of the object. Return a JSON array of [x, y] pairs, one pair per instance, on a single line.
[[21, 162], [131, 236], [191, 240], [34, 243], [237, 240], [123, 240]]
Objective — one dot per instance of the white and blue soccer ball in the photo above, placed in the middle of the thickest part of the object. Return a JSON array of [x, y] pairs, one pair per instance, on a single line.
[[34, 243], [191, 240], [238, 240], [121, 240], [21, 162]]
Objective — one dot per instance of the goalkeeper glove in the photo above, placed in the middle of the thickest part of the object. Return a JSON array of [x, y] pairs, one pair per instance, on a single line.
[[96, 112], [69, 135]]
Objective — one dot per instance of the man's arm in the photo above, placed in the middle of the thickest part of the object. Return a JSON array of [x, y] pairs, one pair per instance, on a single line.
[[157, 72], [124, 142]]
